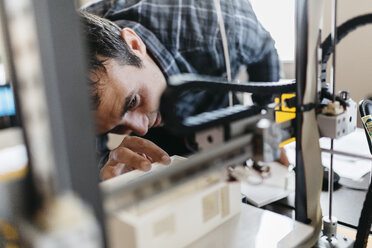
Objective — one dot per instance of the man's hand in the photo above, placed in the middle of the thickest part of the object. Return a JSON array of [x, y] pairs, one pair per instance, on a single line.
[[133, 153], [283, 158]]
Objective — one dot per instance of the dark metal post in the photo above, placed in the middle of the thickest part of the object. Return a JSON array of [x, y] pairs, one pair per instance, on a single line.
[[50, 77], [301, 70]]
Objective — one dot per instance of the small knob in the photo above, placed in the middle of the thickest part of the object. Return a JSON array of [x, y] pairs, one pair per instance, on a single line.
[[344, 95]]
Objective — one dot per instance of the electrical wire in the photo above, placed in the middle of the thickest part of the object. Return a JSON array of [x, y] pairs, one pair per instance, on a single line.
[[188, 146], [226, 54]]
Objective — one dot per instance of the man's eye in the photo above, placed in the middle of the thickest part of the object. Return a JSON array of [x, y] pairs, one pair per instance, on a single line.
[[133, 102]]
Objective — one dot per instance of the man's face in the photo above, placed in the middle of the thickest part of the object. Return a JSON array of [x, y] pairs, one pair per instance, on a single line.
[[129, 98]]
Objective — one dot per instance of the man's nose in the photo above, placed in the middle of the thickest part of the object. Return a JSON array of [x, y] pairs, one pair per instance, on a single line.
[[137, 122]]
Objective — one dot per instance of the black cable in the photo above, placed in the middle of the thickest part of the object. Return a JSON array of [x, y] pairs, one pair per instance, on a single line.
[[343, 30], [364, 225], [365, 219]]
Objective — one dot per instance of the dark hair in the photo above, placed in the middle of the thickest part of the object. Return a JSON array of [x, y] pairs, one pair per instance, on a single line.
[[104, 39]]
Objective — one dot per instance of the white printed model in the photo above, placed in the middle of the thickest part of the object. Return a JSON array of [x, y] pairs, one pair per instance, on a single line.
[[177, 217]]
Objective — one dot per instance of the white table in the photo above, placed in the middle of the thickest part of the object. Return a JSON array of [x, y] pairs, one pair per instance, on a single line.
[[255, 227]]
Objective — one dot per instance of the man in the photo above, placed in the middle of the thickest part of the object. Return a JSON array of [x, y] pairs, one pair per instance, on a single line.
[[155, 39]]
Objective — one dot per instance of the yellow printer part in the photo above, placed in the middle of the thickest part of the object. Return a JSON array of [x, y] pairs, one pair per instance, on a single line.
[[283, 113]]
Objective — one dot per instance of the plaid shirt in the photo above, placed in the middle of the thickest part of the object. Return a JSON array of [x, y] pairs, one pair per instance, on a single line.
[[183, 36]]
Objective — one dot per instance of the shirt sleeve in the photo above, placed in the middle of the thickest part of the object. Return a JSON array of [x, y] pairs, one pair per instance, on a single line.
[[265, 70]]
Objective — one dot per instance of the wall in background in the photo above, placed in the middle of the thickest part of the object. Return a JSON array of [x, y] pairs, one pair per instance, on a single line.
[[278, 18], [354, 52]]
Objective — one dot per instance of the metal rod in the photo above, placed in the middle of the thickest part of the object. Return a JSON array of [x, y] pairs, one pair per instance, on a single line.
[[346, 154], [330, 183], [318, 55], [334, 40], [302, 29], [225, 46]]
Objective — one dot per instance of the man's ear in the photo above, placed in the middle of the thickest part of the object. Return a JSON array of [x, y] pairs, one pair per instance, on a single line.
[[134, 42]]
